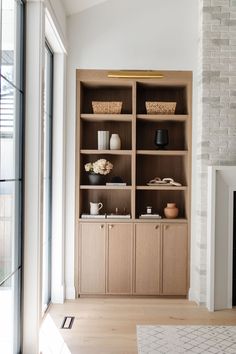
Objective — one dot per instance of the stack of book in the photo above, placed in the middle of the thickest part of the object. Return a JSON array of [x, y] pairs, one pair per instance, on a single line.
[[91, 216], [118, 216], [116, 184], [104, 216], [150, 216]]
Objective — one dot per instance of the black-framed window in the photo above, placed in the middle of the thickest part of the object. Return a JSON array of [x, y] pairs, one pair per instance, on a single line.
[[11, 152]]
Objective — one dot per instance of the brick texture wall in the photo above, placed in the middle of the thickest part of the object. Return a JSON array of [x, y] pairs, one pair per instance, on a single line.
[[216, 144]]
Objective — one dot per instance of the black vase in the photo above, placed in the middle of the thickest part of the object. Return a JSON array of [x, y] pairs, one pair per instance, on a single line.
[[161, 138], [96, 179]]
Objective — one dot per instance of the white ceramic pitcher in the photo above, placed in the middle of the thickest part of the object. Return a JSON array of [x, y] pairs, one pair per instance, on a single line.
[[95, 207]]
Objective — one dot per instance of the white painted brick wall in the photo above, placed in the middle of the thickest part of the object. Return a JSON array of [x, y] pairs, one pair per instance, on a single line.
[[217, 109]]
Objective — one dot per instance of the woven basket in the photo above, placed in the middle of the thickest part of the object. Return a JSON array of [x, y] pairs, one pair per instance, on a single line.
[[106, 107], [160, 107]]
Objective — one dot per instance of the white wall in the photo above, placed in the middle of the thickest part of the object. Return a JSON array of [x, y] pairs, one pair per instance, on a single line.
[[58, 15], [221, 188], [221, 243], [121, 34], [32, 268]]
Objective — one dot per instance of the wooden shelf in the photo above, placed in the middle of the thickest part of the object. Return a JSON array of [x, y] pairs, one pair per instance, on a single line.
[[163, 118], [162, 220], [107, 117], [107, 221], [105, 152], [163, 152], [129, 117], [162, 188], [105, 187], [137, 220]]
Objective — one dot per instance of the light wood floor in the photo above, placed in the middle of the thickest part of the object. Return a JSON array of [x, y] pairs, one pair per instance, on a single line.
[[108, 326]]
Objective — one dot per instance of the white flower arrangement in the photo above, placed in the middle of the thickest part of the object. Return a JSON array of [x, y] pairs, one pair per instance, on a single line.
[[102, 167]]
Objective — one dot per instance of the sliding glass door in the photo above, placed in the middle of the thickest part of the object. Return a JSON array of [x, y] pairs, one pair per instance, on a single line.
[[47, 177], [11, 147]]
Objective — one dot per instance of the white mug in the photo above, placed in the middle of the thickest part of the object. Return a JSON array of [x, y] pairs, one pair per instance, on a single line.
[[95, 207]]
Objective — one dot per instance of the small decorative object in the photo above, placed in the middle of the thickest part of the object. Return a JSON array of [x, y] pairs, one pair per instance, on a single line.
[[115, 142], [97, 170], [116, 181], [161, 138], [103, 139], [95, 207], [149, 210], [160, 107], [100, 107], [96, 179], [163, 182], [171, 211], [119, 215]]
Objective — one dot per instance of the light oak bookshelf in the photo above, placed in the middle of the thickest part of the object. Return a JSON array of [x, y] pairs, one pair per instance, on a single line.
[[136, 163]]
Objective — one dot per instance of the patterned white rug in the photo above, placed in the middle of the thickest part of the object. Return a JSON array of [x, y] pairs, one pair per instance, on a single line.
[[186, 339]]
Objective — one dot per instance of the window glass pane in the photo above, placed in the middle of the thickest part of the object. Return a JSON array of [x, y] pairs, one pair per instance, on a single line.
[[9, 228], [10, 315], [47, 179], [10, 131], [11, 51]]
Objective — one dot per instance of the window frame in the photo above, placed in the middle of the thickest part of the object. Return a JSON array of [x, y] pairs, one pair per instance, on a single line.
[[19, 105]]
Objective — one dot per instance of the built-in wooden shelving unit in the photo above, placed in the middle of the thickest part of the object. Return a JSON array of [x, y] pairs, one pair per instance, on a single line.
[[138, 162]]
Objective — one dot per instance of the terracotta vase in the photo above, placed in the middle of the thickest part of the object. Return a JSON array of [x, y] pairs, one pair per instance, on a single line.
[[171, 211]]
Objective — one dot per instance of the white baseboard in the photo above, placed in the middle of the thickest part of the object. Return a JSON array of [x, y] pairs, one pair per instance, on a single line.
[[193, 297], [58, 296], [70, 293]]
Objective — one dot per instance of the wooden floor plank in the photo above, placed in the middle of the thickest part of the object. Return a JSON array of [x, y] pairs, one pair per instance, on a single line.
[[108, 325]]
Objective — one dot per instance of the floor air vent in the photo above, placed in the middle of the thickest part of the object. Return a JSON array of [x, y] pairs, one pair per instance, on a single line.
[[67, 322]]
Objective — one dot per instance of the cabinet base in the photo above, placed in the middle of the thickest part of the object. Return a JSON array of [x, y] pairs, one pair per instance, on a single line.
[[184, 297]]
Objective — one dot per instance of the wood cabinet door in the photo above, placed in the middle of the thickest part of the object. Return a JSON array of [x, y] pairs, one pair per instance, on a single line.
[[92, 258], [147, 258], [120, 250], [175, 259]]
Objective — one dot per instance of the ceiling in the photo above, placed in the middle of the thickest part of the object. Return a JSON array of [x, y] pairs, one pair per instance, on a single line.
[[74, 6]]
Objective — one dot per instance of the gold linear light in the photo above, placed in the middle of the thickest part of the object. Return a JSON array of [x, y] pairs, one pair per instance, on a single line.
[[138, 74]]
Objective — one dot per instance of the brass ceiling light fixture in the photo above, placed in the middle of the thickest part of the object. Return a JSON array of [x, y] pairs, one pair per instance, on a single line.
[[135, 74]]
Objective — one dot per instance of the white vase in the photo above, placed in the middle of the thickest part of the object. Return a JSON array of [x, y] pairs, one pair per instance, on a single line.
[[103, 140], [115, 142]]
